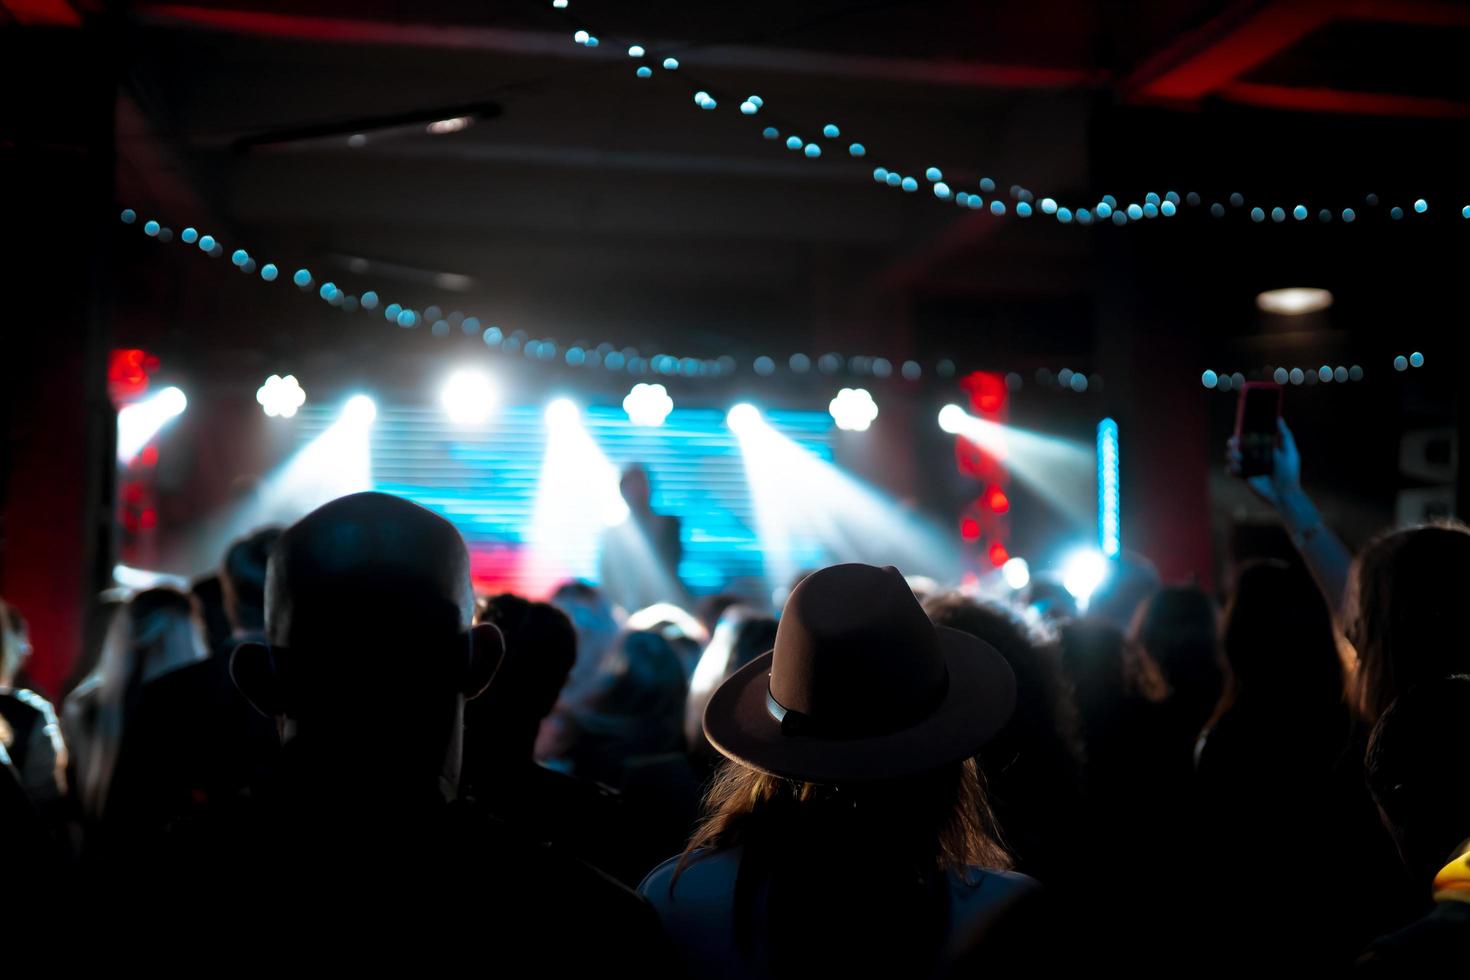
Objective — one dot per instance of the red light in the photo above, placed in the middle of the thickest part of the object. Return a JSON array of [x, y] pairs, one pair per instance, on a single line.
[[148, 457], [996, 500], [999, 555], [127, 373], [970, 529], [987, 391], [148, 520]]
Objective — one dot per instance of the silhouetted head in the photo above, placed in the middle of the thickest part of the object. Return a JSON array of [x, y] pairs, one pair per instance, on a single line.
[[1178, 630], [1416, 770], [370, 650], [636, 487], [242, 577], [540, 649], [1045, 720], [1406, 615], [1279, 642], [15, 643]]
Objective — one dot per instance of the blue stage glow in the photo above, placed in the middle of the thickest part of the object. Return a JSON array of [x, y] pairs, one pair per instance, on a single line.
[[857, 150], [771, 132], [1420, 206], [910, 184], [941, 190], [1299, 212], [268, 272], [189, 236], [831, 131], [793, 142], [302, 278], [151, 228], [997, 207], [128, 216], [813, 151], [644, 71]]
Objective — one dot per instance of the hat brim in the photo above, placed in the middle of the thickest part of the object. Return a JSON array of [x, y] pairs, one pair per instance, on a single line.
[[977, 705]]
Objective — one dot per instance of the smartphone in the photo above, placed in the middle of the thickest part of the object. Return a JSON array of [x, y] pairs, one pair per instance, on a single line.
[[1256, 430]]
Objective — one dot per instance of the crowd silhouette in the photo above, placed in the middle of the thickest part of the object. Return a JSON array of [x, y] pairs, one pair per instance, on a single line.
[[333, 751]]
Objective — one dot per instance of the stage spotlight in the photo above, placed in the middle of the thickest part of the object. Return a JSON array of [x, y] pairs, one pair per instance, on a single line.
[[853, 409], [952, 419], [563, 413], [807, 509], [280, 396], [743, 418], [468, 397], [138, 423], [1016, 573], [1052, 466], [1083, 573], [648, 404], [360, 410]]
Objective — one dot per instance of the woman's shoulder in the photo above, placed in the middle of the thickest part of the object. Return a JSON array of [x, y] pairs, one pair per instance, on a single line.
[[980, 893], [707, 874]]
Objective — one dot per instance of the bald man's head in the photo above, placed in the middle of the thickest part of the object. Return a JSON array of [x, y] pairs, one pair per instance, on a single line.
[[368, 569], [368, 622]]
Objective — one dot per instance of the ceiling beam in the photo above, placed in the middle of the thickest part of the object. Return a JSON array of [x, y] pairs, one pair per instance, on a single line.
[[348, 30], [1211, 60]]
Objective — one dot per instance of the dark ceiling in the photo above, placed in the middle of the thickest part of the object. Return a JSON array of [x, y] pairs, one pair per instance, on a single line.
[[589, 204]]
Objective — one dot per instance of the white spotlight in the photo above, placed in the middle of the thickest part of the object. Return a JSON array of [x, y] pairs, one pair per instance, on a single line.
[[1083, 572], [280, 396], [1294, 301], [138, 423], [563, 412], [467, 397], [360, 410], [952, 418], [172, 402], [1016, 573], [442, 127], [853, 409], [743, 418], [648, 404]]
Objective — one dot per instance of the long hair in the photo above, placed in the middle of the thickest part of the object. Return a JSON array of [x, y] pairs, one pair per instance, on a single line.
[[833, 862], [159, 630], [1406, 612], [1279, 643]]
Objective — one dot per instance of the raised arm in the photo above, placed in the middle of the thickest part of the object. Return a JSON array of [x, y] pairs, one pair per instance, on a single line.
[[1322, 550]]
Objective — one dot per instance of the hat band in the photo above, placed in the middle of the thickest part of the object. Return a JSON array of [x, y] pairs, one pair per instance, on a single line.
[[795, 722]]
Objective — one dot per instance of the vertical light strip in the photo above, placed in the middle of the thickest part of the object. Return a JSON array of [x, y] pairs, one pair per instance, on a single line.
[[1109, 521]]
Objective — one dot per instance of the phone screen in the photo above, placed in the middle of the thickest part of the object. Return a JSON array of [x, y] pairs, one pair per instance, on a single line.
[[1255, 426]]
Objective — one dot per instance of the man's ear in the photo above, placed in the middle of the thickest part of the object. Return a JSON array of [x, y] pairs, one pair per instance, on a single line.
[[253, 670], [486, 651]]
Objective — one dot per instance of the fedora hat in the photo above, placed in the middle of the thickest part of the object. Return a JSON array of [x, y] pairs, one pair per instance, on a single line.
[[860, 686]]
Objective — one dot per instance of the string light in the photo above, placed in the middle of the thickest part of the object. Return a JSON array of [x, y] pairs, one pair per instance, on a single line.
[[611, 357]]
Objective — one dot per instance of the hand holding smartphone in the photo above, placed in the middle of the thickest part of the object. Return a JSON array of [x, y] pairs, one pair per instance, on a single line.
[[1257, 427]]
